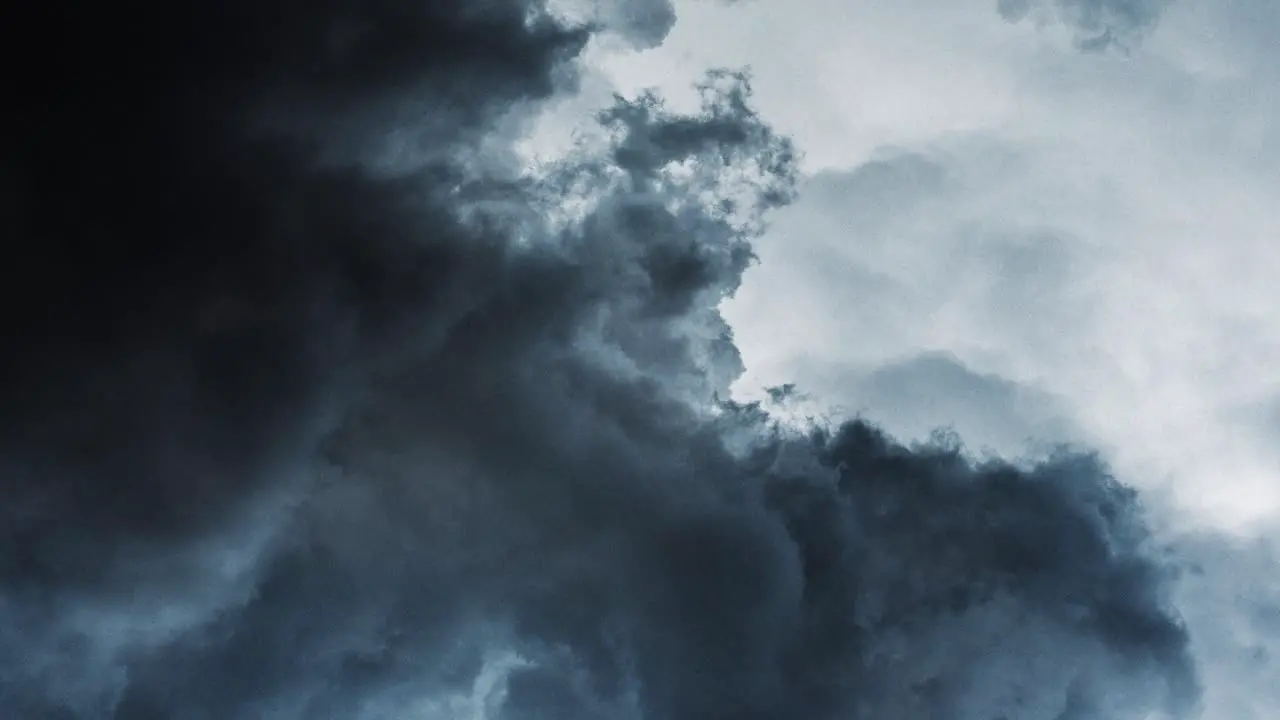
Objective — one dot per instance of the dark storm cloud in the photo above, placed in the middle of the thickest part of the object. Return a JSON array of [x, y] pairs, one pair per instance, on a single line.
[[289, 435], [1098, 25]]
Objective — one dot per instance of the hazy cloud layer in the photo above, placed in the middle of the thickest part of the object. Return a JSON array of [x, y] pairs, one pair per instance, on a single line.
[[1097, 24], [915, 397], [1050, 275], [322, 407], [1231, 599]]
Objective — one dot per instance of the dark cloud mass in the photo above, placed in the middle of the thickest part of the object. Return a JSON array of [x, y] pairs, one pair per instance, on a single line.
[[316, 406]]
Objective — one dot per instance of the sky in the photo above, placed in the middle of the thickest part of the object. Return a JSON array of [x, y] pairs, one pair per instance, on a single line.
[[1097, 226], [568, 360]]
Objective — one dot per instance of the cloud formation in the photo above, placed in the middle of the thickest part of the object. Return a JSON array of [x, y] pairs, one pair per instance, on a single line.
[[915, 397], [321, 406], [1231, 598], [1097, 25]]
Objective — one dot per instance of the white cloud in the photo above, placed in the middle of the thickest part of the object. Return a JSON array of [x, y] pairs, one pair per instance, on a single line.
[[1098, 227]]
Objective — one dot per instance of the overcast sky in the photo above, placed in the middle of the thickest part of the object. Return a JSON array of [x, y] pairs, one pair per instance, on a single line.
[[1029, 239], [386, 359], [1097, 229]]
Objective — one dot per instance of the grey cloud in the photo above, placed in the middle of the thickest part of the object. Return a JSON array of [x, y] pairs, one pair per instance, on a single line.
[[909, 244], [292, 436], [1098, 25], [1231, 601], [646, 22], [1262, 419], [931, 391]]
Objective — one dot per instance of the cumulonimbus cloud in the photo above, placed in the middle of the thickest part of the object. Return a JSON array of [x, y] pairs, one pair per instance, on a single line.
[[288, 434]]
